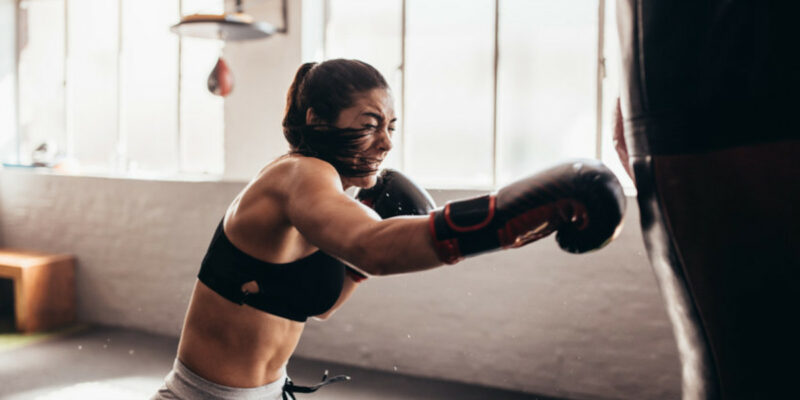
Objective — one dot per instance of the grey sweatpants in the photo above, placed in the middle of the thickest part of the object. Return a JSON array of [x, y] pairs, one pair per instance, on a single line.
[[183, 384]]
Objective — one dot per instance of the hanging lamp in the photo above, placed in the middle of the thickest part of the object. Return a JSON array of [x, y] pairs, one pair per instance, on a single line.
[[236, 26]]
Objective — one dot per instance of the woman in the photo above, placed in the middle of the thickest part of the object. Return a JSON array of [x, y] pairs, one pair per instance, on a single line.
[[275, 258]]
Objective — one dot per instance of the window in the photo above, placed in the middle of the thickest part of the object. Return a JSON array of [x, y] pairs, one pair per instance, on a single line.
[[449, 86], [370, 31], [488, 90], [103, 86], [547, 83], [42, 109], [8, 67], [93, 92]]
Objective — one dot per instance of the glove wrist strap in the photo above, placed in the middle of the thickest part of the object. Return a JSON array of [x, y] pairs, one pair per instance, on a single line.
[[464, 228]]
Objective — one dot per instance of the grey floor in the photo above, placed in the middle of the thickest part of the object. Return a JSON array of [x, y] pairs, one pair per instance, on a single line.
[[112, 363]]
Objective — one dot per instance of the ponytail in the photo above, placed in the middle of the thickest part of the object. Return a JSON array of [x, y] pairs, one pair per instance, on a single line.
[[295, 114]]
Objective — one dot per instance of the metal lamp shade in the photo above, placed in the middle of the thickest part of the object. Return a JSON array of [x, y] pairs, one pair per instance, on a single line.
[[233, 27]]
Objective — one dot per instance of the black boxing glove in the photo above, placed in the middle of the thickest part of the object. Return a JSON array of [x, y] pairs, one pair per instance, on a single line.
[[395, 194], [582, 200]]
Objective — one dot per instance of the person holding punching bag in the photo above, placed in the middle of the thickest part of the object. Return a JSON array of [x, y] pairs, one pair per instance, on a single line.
[[293, 244]]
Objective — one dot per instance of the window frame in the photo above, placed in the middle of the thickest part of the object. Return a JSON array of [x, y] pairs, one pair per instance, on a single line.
[[600, 67], [116, 169]]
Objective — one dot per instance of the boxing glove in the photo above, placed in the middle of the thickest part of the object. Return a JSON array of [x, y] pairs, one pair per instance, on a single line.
[[395, 194], [581, 200]]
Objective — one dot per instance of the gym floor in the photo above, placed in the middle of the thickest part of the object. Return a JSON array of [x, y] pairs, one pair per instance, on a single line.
[[93, 362]]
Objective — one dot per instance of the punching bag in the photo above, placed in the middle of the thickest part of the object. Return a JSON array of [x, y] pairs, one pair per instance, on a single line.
[[710, 92], [220, 80]]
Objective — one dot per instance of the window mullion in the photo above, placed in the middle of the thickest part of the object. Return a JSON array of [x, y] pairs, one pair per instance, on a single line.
[[178, 153], [17, 54], [326, 18], [403, 141], [121, 147], [69, 133], [494, 89], [600, 75]]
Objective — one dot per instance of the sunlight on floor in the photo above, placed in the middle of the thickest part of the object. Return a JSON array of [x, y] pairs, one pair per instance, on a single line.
[[129, 388], [11, 340]]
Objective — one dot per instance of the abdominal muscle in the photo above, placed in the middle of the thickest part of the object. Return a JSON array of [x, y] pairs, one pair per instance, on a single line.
[[235, 345]]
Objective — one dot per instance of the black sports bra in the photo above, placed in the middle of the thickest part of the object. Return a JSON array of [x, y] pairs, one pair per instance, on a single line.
[[296, 290]]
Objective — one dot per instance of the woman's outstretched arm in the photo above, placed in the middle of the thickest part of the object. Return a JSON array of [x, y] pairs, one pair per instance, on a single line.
[[328, 218]]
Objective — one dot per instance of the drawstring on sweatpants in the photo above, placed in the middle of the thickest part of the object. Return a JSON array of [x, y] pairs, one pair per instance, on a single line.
[[289, 388]]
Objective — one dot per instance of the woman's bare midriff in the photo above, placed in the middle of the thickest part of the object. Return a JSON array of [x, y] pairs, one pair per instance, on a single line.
[[235, 345]]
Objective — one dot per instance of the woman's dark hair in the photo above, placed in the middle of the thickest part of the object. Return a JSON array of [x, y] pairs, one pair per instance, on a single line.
[[328, 88]]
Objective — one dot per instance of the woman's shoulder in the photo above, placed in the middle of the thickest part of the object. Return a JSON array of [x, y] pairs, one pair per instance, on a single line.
[[296, 164], [295, 168], [285, 178], [305, 163]]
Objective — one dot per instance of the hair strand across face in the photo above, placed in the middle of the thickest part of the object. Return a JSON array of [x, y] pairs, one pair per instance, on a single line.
[[327, 89]]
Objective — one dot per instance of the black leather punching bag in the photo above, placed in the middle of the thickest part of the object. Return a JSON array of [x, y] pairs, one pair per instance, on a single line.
[[710, 100]]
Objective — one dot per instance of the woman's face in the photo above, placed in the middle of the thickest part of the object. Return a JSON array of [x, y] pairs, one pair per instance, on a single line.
[[372, 111]]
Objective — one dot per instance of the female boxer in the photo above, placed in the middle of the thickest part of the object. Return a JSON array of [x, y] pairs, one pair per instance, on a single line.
[[286, 247]]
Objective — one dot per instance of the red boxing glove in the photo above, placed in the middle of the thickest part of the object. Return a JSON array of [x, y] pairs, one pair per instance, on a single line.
[[582, 200]]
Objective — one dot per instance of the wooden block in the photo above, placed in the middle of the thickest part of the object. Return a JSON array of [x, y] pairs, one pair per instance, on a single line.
[[44, 288]]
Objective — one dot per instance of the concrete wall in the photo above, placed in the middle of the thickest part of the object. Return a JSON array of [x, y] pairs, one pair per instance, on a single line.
[[534, 319]]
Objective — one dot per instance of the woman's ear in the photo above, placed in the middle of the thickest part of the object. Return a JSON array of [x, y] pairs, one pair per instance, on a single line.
[[311, 118]]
